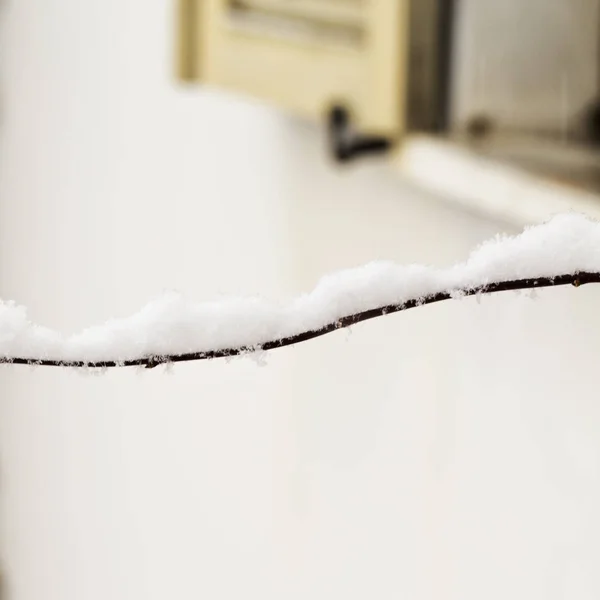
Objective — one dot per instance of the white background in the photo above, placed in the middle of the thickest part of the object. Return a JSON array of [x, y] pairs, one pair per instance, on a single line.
[[448, 453]]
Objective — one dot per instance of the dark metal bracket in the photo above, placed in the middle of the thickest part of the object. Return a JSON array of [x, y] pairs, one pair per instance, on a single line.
[[345, 144]]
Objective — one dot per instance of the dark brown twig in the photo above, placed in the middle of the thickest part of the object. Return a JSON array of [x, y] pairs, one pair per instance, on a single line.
[[149, 362]]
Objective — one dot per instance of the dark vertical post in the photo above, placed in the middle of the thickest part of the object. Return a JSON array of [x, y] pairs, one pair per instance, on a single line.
[[445, 31]]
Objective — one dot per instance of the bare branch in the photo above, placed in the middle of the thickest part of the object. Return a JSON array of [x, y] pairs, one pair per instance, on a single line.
[[149, 362]]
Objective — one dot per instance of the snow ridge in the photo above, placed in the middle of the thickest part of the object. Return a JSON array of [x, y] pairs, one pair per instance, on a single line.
[[173, 325]]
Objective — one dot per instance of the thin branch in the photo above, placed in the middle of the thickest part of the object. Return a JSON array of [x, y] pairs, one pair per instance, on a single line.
[[150, 362]]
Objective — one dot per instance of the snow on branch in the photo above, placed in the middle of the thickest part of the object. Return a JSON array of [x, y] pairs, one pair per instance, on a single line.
[[564, 251]]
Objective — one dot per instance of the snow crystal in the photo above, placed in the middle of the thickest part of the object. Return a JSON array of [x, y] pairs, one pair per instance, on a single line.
[[173, 325]]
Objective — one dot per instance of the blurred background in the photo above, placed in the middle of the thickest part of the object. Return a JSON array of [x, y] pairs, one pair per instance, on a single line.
[[448, 453]]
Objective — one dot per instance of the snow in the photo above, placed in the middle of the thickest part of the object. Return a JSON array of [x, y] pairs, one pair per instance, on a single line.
[[172, 324]]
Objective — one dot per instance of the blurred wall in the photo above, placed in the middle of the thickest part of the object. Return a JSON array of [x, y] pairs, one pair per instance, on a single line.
[[447, 453], [533, 64]]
